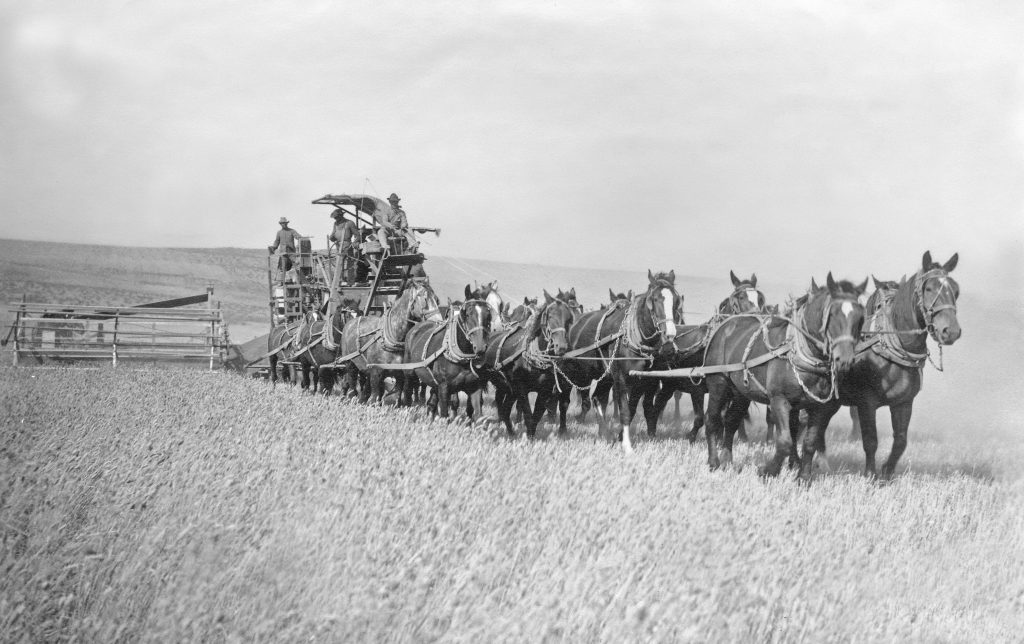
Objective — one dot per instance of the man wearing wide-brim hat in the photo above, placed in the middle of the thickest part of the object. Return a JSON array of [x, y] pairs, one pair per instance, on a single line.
[[346, 236], [396, 223], [286, 243]]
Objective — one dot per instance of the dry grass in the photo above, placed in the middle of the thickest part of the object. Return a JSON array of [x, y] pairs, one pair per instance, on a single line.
[[169, 506]]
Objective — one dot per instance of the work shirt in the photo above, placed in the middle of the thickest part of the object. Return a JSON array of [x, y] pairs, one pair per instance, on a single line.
[[287, 239], [343, 233]]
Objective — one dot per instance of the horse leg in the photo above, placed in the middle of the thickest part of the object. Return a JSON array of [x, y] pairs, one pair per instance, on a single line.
[[272, 359], [376, 386], [783, 439], [817, 420], [733, 420], [900, 415], [585, 404], [697, 402], [304, 384], [530, 416], [677, 421], [621, 395], [855, 432], [504, 401], [563, 408], [719, 395], [443, 399], [866, 411], [364, 387], [654, 406]]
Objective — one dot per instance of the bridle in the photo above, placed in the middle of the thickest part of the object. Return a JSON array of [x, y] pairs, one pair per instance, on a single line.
[[661, 325], [929, 311], [736, 301], [828, 340], [480, 326], [549, 334]]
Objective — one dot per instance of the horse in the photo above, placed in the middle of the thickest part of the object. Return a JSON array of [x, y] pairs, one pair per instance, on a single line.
[[371, 343], [281, 347], [614, 298], [522, 311], [606, 345], [687, 351], [791, 365], [322, 339], [569, 297], [519, 361], [499, 307], [444, 354], [889, 363]]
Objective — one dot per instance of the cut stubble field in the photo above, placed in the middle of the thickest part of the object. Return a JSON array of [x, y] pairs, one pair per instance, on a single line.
[[169, 506]]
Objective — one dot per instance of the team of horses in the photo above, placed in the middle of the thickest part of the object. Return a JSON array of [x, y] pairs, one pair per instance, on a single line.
[[825, 350]]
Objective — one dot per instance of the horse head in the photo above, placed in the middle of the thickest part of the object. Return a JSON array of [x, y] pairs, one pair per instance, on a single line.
[[523, 311], [840, 315], [569, 297], [663, 303], [556, 316], [475, 319], [937, 294], [745, 297], [489, 293], [425, 304]]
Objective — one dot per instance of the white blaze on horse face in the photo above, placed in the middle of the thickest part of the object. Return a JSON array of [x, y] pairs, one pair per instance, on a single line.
[[846, 308], [494, 301], [667, 307], [752, 296]]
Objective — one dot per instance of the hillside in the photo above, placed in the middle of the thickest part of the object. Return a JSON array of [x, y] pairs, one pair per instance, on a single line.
[[115, 275]]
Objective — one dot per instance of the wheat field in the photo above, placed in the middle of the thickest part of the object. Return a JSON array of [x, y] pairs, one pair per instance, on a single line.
[[141, 505]]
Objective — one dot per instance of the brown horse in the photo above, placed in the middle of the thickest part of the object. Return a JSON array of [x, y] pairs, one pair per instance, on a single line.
[[372, 341], [448, 352], [519, 361], [789, 364], [889, 363], [687, 351], [521, 313], [606, 345], [322, 349]]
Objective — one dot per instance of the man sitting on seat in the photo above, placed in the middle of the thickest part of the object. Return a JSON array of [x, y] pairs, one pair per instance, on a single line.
[[395, 223]]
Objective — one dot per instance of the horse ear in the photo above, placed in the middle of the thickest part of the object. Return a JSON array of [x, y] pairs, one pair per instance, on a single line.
[[926, 261], [572, 292], [951, 264], [753, 280], [874, 280], [862, 287], [672, 276], [468, 293], [735, 280], [611, 295], [629, 296], [526, 301], [547, 297], [814, 285], [830, 283], [650, 276]]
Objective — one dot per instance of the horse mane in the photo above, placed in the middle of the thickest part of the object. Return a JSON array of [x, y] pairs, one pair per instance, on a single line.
[[533, 322]]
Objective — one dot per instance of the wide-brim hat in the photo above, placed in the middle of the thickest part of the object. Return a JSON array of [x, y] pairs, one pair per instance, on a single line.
[[282, 220], [394, 197], [337, 212]]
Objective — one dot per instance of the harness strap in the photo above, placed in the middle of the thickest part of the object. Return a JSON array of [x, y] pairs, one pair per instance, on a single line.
[[688, 372]]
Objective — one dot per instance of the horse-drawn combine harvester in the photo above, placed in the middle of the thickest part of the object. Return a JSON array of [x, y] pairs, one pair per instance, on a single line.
[[320, 284]]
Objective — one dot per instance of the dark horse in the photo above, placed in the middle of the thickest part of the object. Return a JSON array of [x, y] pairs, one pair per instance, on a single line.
[[373, 342], [445, 353], [687, 351], [323, 346], [789, 365], [521, 313], [606, 345], [519, 361], [889, 363]]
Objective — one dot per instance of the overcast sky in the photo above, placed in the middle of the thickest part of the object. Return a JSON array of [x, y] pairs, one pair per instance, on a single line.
[[787, 138]]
